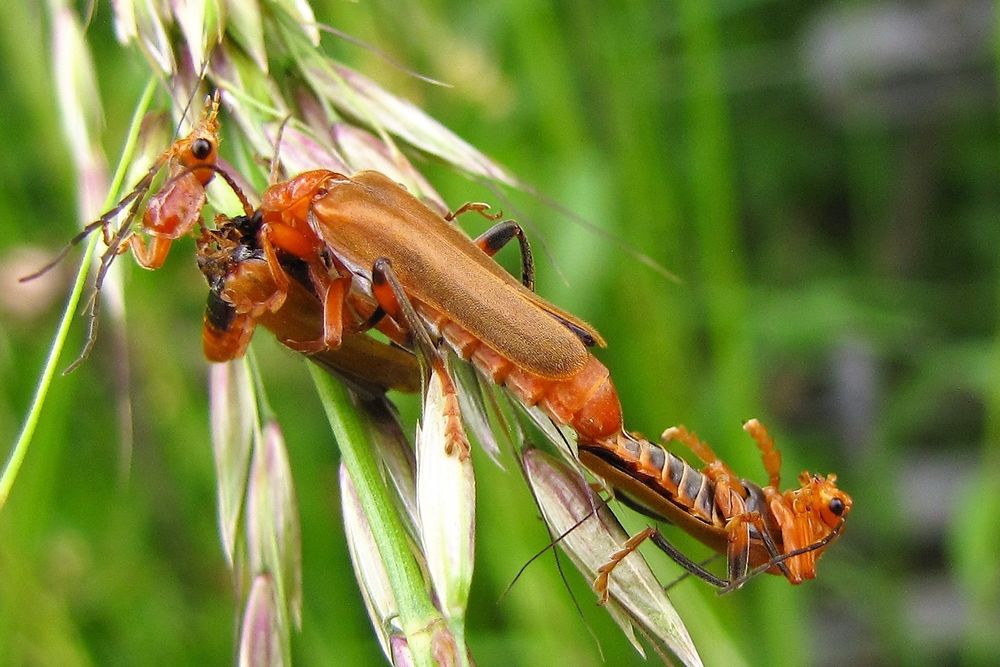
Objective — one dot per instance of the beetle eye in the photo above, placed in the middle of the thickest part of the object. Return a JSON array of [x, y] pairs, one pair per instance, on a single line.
[[836, 506], [201, 148]]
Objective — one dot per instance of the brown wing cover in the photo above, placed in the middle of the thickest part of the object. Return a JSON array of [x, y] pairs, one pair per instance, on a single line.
[[440, 266]]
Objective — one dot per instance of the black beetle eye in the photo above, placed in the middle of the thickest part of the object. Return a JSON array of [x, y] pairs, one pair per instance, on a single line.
[[201, 148], [837, 506]]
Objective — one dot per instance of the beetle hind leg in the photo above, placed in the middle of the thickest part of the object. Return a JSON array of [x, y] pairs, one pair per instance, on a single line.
[[393, 300]]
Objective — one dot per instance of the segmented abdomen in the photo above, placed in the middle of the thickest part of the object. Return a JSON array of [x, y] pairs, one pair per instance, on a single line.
[[586, 401], [669, 475]]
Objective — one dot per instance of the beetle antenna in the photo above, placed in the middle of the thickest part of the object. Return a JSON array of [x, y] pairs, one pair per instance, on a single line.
[[194, 92], [226, 176], [51, 264], [272, 177], [581, 221], [351, 39]]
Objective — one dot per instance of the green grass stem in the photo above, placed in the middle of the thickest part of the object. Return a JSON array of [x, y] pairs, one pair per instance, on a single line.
[[20, 449], [418, 616]]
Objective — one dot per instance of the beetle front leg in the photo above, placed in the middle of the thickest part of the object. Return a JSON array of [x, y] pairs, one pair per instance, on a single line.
[[392, 299], [333, 294], [269, 237]]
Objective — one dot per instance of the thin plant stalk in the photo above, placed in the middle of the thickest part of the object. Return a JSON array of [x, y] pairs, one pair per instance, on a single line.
[[418, 616]]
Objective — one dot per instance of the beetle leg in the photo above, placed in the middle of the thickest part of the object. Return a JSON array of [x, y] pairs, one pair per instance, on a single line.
[[692, 567], [333, 294], [392, 298], [474, 207], [600, 584], [333, 311], [116, 246], [275, 301], [387, 325], [768, 452], [729, 498], [737, 528], [497, 236], [738, 548], [116, 241], [690, 440], [656, 537], [779, 561]]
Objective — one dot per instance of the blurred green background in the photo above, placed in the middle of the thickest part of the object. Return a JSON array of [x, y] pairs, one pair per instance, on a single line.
[[822, 177]]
